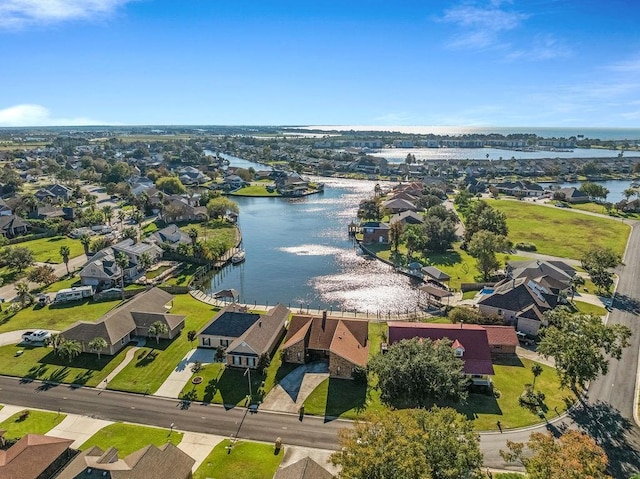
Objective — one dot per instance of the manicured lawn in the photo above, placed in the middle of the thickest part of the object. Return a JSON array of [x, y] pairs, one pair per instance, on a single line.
[[156, 272], [248, 460], [588, 308], [149, 228], [153, 363], [38, 422], [183, 277], [55, 316], [47, 250], [127, 438], [457, 263], [39, 362], [559, 231], [377, 334], [229, 386], [213, 230], [62, 284], [254, 190], [348, 399], [469, 294], [596, 208]]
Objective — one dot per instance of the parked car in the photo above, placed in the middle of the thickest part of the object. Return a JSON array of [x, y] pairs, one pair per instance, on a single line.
[[523, 339], [39, 335]]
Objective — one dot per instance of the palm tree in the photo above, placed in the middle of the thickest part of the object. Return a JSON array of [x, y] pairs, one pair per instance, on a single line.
[[193, 234], [55, 340], [97, 345], [122, 215], [536, 369], [107, 211], [85, 239], [157, 329], [24, 294], [191, 336], [145, 261], [138, 216], [122, 260], [70, 349], [65, 252]]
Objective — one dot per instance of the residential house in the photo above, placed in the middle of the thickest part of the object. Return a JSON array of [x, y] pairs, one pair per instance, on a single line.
[[150, 462], [50, 211], [54, 192], [343, 343], [171, 235], [305, 468], [374, 232], [134, 252], [398, 205], [177, 209], [469, 342], [556, 276], [34, 456], [101, 270], [12, 226], [244, 335], [233, 182], [572, 195], [402, 195], [407, 218], [520, 302], [5, 209], [520, 188], [192, 176], [133, 318]]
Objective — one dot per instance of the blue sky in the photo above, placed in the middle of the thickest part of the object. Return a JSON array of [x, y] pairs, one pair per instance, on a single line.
[[356, 62]]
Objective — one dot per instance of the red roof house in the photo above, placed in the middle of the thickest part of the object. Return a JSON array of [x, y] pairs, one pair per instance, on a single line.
[[470, 343], [502, 339]]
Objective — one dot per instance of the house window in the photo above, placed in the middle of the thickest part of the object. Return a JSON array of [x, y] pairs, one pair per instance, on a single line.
[[235, 360], [252, 362], [499, 312], [206, 341], [459, 352], [338, 369], [123, 340], [224, 343]]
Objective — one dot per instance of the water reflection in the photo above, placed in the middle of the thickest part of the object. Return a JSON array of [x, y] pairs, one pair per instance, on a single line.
[[299, 254]]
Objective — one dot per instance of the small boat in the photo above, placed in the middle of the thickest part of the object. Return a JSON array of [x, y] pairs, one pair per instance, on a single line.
[[239, 257]]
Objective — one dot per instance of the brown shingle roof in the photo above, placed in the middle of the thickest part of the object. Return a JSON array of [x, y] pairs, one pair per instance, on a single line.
[[501, 335], [305, 468], [347, 346], [31, 456]]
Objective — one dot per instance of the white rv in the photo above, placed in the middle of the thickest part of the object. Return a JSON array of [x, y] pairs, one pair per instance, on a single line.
[[73, 294]]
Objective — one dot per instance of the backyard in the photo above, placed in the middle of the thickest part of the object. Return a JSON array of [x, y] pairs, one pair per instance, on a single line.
[[249, 460], [254, 190]]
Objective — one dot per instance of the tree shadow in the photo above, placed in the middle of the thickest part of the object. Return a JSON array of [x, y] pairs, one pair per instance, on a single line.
[[507, 360], [477, 403], [147, 358], [449, 258], [614, 433], [626, 303], [344, 395]]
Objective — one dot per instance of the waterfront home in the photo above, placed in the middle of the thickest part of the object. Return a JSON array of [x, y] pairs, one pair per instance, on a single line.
[[519, 188], [150, 462], [502, 340], [342, 343], [244, 335], [520, 302], [101, 271], [469, 342], [571, 195], [398, 205], [171, 236], [556, 276], [407, 218], [133, 318], [374, 232], [178, 208]]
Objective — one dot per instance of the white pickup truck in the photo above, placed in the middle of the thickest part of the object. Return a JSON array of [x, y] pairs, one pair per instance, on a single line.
[[35, 336]]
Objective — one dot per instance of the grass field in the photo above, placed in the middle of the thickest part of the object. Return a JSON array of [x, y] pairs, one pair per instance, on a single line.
[[47, 250], [38, 362], [349, 400], [254, 190], [596, 208], [55, 316], [248, 460], [37, 422], [153, 363], [588, 308], [561, 232], [127, 438]]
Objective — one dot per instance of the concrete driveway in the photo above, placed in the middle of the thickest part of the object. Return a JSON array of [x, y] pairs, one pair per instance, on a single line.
[[295, 387], [173, 385], [15, 337]]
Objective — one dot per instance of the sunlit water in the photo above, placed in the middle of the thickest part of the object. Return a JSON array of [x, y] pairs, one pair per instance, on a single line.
[[298, 253]]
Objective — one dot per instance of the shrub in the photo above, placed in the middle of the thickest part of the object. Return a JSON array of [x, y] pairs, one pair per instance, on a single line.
[[526, 247], [359, 375]]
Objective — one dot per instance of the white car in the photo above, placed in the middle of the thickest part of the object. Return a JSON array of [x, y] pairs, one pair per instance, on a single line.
[[35, 336]]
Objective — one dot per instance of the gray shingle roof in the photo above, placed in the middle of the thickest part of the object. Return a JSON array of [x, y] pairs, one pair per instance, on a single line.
[[231, 321], [305, 468], [261, 335]]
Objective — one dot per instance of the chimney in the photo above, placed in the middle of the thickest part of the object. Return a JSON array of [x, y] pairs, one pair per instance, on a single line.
[[324, 319]]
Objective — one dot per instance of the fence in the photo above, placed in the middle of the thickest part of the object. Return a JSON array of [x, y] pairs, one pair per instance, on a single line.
[[464, 287]]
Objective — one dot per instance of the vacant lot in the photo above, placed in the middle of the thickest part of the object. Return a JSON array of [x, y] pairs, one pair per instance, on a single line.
[[561, 232], [47, 250], [254, 190]]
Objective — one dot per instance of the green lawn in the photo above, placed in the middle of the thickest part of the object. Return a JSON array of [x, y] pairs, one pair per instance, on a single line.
[[213, 230], [39, 362], [457, 263], [156, 272], [153, 363], [183, 277], [47, 250], [469, 294], [596, 208], [248, 460], [588, 308], [229, 386], [349, 400], [55, 316], [254, 190], [37, 422], [127, 438], [559, 231], [62, 284]]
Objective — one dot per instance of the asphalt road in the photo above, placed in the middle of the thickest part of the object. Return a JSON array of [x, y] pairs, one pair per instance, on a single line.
[[151, 410]]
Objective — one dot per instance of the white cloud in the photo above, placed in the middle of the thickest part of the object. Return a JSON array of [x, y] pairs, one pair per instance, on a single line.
[[481, 26], [542, 47], [37, 115], [15, 14], [629, 66]]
